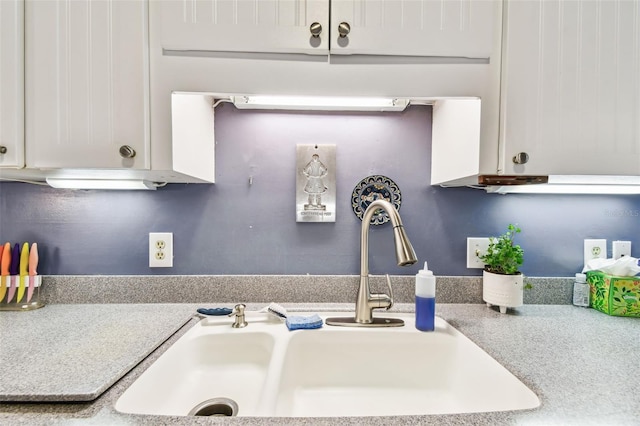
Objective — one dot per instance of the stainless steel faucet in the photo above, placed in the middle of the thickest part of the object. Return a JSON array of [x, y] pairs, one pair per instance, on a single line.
[[367, 302]]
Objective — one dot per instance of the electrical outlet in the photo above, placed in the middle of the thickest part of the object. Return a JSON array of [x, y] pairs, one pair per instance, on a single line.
[[475, 247], [594, 249], [620, 248], [160, 249]]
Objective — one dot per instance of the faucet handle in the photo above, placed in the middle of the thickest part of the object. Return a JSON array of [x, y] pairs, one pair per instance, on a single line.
[[390, 291]]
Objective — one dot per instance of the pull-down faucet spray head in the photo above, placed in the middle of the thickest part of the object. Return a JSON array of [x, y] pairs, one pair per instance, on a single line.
[[405, 255]]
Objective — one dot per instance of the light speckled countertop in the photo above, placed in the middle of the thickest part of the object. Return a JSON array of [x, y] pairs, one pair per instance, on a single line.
[[75, 352], [581, 363]]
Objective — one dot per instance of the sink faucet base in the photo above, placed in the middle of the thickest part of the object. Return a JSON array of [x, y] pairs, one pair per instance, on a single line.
[[375, 322]]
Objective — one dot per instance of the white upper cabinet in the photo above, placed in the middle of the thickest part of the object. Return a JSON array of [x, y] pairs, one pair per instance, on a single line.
[[87, 79], [571, 87], [460, 28], [11, 83], [452, 28], [273, 26], [393, 48]]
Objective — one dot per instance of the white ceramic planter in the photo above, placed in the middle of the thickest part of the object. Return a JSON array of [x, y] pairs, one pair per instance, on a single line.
[[500, 290]]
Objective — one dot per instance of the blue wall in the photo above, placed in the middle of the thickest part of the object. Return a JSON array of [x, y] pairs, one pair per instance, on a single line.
[[232, 227]]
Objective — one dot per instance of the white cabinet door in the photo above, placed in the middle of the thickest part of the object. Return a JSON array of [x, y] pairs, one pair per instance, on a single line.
[[86, 83], [571, 87], [11, 83], [452, 28], [272, 26]]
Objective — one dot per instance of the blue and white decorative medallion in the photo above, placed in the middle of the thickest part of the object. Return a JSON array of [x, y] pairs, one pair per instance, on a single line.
[[371, 188]]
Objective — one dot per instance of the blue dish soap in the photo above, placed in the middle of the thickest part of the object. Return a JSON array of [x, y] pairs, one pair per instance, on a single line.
[[425, 299]]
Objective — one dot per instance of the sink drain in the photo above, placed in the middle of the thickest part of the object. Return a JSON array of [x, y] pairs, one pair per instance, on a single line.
[[224, 407]]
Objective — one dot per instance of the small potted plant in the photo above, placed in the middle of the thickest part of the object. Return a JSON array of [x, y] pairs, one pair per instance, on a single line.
[[502, 282]]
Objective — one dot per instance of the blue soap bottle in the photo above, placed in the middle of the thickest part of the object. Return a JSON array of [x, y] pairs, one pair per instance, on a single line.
[[425, 299]]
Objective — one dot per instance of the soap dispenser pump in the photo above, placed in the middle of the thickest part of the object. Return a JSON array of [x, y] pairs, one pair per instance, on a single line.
[[425, 299]]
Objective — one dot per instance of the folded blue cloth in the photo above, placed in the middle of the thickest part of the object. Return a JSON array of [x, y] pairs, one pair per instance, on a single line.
[[300, 322]]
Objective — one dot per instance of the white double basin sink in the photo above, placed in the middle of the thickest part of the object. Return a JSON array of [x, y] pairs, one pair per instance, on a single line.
[[267, 370]]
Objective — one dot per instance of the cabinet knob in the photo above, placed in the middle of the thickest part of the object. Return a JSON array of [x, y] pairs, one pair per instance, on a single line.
[[3, 149], [127, 152], [521, 158], [315, 29], [344, 29]]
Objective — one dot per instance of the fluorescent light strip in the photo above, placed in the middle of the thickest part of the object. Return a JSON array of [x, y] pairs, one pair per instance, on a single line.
[[100, 184], [565, 189], [322, 103], [575, 184], [594, 179]]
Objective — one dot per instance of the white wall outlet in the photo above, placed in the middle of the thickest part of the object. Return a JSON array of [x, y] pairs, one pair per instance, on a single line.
[[620, 248], [161, 249], [475, 247], [594, 249]]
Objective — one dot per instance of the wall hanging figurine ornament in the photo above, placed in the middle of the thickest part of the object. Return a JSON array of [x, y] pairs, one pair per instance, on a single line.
[[315, 183]]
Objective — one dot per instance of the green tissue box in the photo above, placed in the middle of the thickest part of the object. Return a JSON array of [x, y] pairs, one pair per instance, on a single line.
[[619, 296]]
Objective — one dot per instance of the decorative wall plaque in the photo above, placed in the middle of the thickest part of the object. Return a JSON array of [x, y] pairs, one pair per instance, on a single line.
[[315, 183], [374, 188]]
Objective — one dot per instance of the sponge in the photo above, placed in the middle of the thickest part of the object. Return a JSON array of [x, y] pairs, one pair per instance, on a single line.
[[300, 322], [214, 311]]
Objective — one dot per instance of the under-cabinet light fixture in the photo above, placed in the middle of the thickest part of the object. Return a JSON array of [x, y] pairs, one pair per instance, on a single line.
[[575, 184], [545, 188], [322, 103], [101, 184]]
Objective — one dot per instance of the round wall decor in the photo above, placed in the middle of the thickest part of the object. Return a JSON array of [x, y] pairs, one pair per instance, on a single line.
[[371, 188]]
